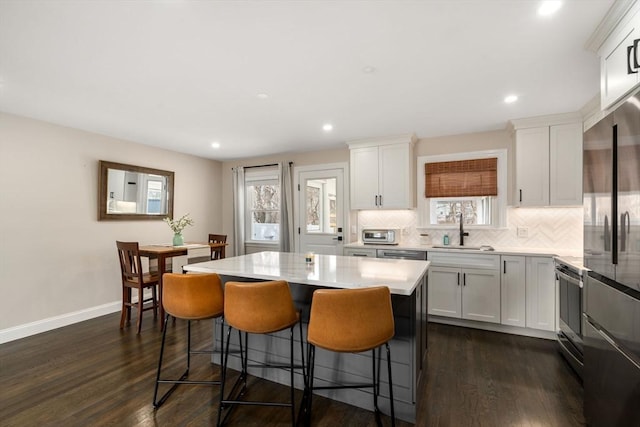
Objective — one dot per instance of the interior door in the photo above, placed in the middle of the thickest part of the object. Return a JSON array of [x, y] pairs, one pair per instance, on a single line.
[[321, 210]]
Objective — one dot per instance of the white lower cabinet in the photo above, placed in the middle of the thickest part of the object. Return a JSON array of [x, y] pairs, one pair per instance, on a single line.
[[445, 292], [541, 294], [464, 292], [481, 295], [513, 291]]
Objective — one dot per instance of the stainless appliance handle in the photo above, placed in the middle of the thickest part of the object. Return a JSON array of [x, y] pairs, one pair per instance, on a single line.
[[569, 353], [610, 340], [570, 279]]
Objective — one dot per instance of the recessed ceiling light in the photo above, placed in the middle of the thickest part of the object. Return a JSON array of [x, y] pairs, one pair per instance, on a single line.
[[511, 99], [215, 145], [262, 96], [368, 69], [549, 7], [327, 127]]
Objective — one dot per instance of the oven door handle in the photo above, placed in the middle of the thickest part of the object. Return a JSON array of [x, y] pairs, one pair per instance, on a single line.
[[570, 278]]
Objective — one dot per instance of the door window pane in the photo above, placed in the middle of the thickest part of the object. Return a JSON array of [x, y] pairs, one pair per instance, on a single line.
[[321, 209]]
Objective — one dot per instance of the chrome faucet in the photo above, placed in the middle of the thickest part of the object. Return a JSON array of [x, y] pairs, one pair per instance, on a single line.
[[462, 232]]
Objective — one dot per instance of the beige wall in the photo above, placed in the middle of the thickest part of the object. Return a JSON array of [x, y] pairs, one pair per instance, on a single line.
[[56, 257]]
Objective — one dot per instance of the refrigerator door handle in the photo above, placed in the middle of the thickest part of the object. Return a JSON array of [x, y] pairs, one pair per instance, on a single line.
[[614, 198]]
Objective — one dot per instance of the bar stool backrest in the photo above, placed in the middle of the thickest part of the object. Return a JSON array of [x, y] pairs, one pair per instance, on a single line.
[[351, 320], [259, 307], [192, 296]]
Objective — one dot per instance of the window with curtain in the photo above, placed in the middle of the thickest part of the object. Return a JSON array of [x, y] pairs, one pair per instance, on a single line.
[[262, 191], [463, 184]]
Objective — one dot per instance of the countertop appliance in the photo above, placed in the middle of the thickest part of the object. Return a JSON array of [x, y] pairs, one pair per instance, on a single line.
[[380, 236], [612, 255], [569, 279]]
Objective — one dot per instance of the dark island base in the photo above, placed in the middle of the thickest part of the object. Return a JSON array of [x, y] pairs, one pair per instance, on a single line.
[[408, 351]]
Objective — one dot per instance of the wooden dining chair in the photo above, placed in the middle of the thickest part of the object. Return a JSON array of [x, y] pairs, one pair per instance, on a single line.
[[133, 277], [217, 253]]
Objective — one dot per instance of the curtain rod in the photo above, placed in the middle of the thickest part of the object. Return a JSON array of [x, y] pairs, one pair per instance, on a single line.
[[264, 166]]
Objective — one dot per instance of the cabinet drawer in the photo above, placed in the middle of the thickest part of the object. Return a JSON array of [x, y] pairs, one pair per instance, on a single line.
[[368, 252], [448, 259]]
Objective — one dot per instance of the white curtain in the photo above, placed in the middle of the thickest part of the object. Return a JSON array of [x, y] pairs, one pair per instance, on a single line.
[[286, 207], [238, 210]]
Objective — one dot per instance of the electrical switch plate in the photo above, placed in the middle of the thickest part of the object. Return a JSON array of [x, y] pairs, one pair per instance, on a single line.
[[523, 232]]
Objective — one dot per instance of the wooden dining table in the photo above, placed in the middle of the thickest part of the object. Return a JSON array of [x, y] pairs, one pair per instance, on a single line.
[[163, 252]]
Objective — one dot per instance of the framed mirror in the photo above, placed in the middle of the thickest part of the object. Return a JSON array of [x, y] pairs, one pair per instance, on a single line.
[[128, 192]]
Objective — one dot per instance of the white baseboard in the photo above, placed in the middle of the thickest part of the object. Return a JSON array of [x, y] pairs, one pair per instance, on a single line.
[[44, 325]]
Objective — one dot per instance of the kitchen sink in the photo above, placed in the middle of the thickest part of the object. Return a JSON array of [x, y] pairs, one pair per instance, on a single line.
[[465, 248]]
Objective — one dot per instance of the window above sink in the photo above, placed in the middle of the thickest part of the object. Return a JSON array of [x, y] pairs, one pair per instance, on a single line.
[[478, 211]]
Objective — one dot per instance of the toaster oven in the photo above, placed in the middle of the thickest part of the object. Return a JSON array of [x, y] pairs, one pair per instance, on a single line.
[[380, 236]]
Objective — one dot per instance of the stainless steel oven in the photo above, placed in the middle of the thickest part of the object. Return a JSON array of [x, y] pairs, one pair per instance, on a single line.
[[569, 279]]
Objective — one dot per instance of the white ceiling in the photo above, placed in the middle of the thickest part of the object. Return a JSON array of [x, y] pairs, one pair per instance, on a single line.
[[182, 74]]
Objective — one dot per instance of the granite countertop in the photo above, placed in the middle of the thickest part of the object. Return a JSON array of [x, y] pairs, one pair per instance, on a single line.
[[333, 271], [498, 250]]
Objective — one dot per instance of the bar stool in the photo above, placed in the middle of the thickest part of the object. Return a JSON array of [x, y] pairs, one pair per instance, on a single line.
[[351, 321], [189, 297], [258, 308]]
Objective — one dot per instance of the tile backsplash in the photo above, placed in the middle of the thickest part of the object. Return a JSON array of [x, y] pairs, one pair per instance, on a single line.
[[549, 228]]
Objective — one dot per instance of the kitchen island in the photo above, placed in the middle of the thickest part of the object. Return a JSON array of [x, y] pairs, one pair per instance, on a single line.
[[407, 281]]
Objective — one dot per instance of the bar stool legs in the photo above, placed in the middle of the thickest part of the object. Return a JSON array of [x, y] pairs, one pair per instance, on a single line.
[[183, 378], [239, 387], [375, 384]]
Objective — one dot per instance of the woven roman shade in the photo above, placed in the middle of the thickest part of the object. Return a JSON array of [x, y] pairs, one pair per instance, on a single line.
[[463, 178]]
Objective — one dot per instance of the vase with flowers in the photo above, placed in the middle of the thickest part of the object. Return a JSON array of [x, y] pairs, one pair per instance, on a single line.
[[177, 226]]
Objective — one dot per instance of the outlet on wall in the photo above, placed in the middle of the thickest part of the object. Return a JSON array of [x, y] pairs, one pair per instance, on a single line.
[[523, 232]]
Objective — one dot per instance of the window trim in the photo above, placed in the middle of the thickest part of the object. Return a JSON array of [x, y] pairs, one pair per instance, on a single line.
[[499, 210]]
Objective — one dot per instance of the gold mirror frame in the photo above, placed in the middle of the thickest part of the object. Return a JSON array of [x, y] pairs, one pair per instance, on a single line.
[[104, 213]]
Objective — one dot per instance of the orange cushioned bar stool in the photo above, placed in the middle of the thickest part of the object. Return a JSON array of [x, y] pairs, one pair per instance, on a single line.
[[351, 321], [258, 308], [189, 297]]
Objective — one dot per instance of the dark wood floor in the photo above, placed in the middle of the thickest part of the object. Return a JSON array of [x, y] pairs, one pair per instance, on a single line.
[[92, 373]]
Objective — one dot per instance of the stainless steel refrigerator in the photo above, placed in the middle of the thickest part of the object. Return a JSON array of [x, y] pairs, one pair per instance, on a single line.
[[611, 320]]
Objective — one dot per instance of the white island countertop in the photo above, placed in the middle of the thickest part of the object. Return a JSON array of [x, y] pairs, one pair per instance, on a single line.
[[332, 271]]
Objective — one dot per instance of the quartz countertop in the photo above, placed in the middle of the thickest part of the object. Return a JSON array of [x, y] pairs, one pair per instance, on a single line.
[[333, 271], [498, 250]]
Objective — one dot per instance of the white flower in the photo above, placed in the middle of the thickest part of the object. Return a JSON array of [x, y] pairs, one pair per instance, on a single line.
[[179, 225]]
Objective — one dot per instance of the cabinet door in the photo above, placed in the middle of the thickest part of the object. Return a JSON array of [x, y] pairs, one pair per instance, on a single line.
[[532, 166], [364, 177], [565, 175], [615, 79], [513, 291], [395, 177], [481, 295], [444, 291], [541, 294]]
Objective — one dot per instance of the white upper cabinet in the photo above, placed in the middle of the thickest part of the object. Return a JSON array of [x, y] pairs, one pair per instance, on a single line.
[[532, 166], [619, 57], [382, 174], [548, 162], [565, 164]]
